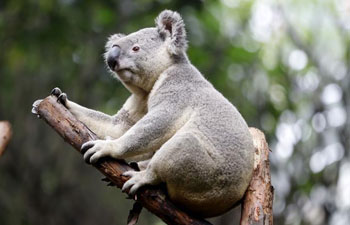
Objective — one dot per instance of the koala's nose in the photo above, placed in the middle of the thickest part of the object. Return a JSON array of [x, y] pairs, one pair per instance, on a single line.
[[113, 55]]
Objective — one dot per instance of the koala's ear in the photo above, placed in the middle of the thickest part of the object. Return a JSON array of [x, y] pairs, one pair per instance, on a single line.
[[112, 39], [171, 26]]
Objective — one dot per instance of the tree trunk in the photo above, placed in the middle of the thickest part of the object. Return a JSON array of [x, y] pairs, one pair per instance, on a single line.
[[5, 135], [257, 203]]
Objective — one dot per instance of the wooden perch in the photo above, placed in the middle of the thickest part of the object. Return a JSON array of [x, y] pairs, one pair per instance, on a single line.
[[76, 133], [5, 135], [257, 203], [256, 206]]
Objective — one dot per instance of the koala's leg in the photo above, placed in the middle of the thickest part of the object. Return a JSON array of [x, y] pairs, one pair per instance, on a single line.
[[146, 176], [181, 157], [104, 125]]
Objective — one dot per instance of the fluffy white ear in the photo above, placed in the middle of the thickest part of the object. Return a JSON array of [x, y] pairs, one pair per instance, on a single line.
[[171, 26], [112, 39]]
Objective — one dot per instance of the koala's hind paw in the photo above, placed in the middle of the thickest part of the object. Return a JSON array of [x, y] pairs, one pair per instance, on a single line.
[[137, 180]]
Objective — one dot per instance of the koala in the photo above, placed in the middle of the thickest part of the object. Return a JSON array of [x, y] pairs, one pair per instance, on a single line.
[[176, 125]]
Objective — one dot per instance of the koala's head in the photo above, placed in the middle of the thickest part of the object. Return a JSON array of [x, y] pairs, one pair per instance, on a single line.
[[140, 57]]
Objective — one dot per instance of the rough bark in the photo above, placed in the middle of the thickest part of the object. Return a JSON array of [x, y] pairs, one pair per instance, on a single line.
[[5, 135], [76, 133], [257, 203]]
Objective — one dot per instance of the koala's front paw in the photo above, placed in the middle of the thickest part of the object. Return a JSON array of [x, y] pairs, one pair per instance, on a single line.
[[61, 97], [94, 150], [56, 92]]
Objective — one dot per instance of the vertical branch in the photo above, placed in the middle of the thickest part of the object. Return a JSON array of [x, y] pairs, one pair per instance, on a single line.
[[257, 203], [5, 135]]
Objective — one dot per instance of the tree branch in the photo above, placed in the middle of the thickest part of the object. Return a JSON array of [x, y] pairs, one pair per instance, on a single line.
[[5, 135], [256, 206], [257, 203], [76, 133]]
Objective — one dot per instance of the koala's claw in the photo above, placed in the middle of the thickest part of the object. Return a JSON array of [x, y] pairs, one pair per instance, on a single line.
[[86, 146], [62, 98], [136, 181], [56, 92], [88, 156], [94, 150], [88, 149]]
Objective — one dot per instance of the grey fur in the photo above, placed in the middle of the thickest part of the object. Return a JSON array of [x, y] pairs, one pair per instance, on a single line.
[[170, 24], [195, 140]]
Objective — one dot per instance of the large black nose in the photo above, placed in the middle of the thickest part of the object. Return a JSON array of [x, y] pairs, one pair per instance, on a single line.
[[113, 56]]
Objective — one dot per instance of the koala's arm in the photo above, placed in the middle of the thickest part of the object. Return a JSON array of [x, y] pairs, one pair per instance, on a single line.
[[147, 135], [104, 125]]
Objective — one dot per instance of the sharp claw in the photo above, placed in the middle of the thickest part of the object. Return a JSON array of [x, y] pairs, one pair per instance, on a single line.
[[88, 154], [87, 160], [62, 98], [134, 189], [94, 158], [126, 186], [56, 91], [86, 146]]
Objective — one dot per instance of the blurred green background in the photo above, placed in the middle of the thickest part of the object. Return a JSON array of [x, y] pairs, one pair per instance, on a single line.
[[285, 65]]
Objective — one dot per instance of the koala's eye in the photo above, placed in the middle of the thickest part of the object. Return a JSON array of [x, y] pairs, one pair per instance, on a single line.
[[136, 48]]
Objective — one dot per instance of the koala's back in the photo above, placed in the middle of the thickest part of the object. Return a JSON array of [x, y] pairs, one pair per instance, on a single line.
[[207, 164]]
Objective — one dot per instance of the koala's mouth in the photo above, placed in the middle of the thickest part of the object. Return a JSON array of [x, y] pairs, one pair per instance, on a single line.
[[125, 74], [121, 70]]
